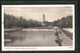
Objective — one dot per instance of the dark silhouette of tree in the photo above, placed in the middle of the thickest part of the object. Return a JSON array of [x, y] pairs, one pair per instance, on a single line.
[[12, 21], [65, 22]]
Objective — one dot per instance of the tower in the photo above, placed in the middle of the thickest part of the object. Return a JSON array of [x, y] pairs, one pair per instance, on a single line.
[[43, 17], [43, 20]]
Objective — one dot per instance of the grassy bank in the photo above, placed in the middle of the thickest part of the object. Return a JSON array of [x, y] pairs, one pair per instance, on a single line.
[[43, 27], [11, 29], [70, 35]]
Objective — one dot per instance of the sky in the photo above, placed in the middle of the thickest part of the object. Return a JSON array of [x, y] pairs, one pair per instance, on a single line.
[[36, 13]]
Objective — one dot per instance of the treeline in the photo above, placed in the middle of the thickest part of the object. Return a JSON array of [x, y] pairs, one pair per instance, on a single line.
[[65, 22], [12, 21]]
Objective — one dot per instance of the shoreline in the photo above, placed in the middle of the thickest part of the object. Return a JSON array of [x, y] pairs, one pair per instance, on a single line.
[[69, 34]]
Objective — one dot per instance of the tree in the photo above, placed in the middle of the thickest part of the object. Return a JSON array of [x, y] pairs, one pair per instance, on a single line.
[[12, 21], [64, 22]]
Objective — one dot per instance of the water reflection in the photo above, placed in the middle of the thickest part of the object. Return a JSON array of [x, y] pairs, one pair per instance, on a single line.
[[12, 39], [30, 38]]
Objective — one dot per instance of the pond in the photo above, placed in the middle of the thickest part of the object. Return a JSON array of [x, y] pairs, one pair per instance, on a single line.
[[31, 38]]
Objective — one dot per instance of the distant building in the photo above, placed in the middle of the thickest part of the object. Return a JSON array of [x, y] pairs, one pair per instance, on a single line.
[[44, 20], [45, 23]]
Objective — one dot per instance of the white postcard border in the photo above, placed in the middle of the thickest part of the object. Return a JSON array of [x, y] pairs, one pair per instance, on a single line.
[[47, 48]]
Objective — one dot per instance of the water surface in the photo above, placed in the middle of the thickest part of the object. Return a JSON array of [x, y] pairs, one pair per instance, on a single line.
[[31, 38]]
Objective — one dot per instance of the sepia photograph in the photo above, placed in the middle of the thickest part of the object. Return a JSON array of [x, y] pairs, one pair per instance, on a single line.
[[38, 27]]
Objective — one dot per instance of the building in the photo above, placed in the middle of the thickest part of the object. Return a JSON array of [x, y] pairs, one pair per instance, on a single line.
[[44, 20], [45, 23]]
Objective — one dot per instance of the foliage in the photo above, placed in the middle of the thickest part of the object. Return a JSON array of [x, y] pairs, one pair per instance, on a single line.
[[12, 21], [65, 22]]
